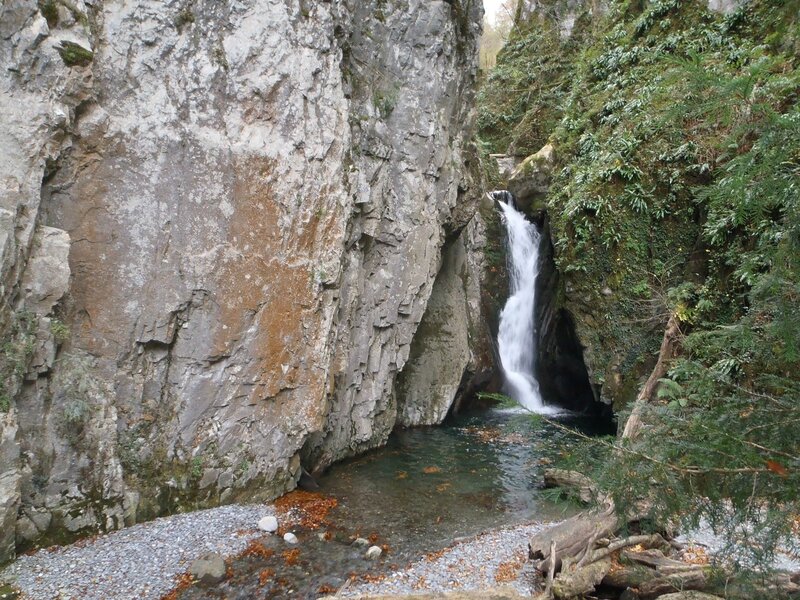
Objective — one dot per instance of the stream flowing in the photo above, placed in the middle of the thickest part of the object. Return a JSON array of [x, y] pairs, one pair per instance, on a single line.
[[425, 489], [428, 486], [516, 338]]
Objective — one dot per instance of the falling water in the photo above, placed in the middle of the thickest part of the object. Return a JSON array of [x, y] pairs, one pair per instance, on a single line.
[[516, 339]]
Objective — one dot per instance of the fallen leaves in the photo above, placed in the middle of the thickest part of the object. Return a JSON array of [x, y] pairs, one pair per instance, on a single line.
[[509, 570], [257, 549], [308, 509], [431, 470], [290, 557], [182, 582], [695, 555]]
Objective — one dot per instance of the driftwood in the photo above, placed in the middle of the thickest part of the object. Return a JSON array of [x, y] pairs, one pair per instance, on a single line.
[[670, 346], [628, 577], [690, 580], [571, 584], [582, 550], [572, 536], [655, 559]]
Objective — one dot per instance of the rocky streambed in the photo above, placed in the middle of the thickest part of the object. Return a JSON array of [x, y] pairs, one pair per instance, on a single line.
[[425, 500]]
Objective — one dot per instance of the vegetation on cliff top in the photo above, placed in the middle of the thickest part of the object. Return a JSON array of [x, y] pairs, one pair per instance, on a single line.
[[677, 133]]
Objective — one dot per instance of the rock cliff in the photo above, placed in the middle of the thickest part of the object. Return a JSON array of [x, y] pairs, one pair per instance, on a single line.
[[221, 224]]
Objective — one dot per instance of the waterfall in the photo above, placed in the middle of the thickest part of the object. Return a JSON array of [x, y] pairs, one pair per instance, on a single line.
[[516, 338]]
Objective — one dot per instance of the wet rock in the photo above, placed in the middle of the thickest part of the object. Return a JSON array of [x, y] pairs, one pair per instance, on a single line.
[[373, 553], [208, 569], [530, 181], [268, 524]]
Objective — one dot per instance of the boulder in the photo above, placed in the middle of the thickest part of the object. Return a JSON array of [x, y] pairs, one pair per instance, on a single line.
[[209, 569], [530, 181]]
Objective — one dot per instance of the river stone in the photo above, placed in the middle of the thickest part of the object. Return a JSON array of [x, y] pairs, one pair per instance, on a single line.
[[268, 524], [290, 538], [208, 569], [361, 542], [373, 553]]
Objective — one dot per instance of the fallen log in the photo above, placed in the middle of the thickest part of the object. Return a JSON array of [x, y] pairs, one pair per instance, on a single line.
[[571, 536], [656, 560], [572, 584], [634, 540], [677, 582], [626, 577]]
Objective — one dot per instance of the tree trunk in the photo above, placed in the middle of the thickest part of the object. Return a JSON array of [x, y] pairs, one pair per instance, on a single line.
[[670, 346]]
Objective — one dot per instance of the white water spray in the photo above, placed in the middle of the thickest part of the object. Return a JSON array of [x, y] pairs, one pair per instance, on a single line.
[[516, 339]]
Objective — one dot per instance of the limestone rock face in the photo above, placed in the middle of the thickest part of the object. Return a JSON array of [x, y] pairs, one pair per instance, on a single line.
[[442, 349], [227, 221]]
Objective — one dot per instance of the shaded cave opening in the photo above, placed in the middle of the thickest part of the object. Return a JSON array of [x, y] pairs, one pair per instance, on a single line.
[[559, 365]]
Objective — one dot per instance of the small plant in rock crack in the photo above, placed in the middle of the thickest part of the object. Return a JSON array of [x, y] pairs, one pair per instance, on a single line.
[[196, 467], [78, 393]]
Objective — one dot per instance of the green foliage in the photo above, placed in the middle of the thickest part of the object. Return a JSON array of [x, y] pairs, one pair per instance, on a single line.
[[78, 393], [49, 10], [519, 103], [385, 101], [60, 331], [501, 400], [15, 354], [75, 55], [678, 187], [196, 467]]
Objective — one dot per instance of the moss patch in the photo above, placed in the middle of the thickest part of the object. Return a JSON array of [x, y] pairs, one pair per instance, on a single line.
[[75, 55]]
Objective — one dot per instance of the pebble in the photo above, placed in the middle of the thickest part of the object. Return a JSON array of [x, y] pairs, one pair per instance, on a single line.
[[152, 553], [268, 524], [469, 565], [290, 538], [373, 553], [360, 542]]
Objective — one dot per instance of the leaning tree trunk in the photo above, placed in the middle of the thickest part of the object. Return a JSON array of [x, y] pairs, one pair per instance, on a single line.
[[670, 346]]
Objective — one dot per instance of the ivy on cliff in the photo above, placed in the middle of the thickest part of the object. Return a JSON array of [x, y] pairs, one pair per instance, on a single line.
[[678, 142]]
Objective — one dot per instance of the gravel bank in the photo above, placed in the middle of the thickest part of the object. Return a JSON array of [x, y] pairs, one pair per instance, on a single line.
[[137, 563], [498, 557]]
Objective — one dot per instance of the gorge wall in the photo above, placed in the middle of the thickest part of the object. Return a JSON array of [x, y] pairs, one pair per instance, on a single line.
[[221, 224]]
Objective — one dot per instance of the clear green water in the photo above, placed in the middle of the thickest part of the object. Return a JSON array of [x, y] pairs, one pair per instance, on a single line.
[[426, 488]]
